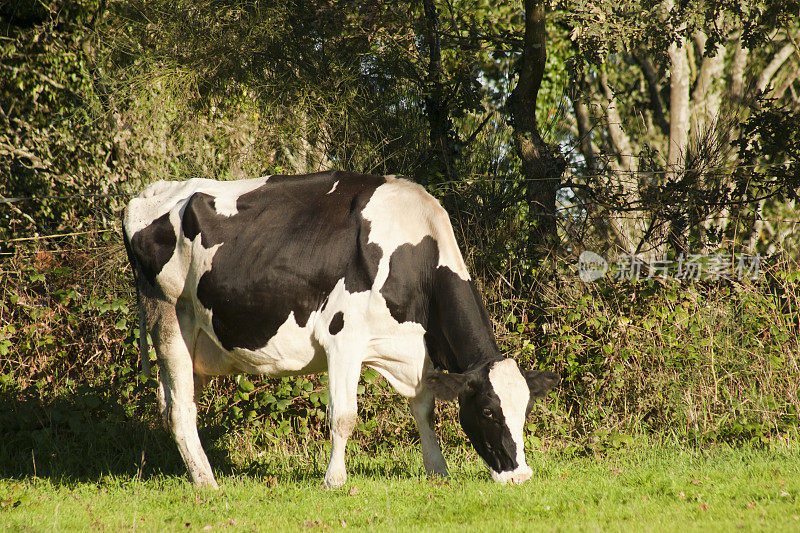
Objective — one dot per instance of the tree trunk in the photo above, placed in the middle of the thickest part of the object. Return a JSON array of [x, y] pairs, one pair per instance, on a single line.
[[441, 148], [584, 124], [619, 138], [629, 230], [680, 74], [738, 64], [678, 107], [542, 165]]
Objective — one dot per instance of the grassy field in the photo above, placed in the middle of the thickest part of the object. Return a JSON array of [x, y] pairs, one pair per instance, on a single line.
[[656, 489]]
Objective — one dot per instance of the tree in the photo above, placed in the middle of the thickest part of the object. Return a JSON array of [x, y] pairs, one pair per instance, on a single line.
[[659, 103], [542, 164], [53, 141]]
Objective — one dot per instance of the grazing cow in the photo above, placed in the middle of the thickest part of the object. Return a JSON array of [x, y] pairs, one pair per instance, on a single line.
[[289, 275]]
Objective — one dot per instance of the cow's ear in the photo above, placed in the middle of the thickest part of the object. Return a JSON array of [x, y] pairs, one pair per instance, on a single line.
[[446, 386], [541, 381]]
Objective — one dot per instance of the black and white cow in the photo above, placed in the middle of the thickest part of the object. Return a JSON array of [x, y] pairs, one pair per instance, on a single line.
[[288, 275]]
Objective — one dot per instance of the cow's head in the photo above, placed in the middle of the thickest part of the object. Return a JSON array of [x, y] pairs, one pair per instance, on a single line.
[[494, 400]]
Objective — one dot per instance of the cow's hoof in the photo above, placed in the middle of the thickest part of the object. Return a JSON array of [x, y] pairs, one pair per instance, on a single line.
[[438, 473], [334, 482]]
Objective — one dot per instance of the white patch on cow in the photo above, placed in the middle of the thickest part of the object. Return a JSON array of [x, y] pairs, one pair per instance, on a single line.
[[164, 196], [371, 336], [226, 205], [510, 386], [189, 261], [519, 475], [402, 212], [335, 184]]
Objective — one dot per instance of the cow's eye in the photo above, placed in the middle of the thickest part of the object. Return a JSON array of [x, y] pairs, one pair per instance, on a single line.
[[487, 413]]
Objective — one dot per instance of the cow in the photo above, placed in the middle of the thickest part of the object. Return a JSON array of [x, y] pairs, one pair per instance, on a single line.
[[289, 275]]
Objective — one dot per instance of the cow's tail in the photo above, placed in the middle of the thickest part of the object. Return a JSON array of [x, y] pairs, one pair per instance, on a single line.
[[144, 351]]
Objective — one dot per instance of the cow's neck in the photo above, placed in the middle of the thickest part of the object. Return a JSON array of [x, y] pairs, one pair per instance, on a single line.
[[460, 334]]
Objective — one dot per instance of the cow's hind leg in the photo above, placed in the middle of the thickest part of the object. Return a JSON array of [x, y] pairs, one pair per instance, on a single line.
[[177, 389], [422, 409], [343, 384]]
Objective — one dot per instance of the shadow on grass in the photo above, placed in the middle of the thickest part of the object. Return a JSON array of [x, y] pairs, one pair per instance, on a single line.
[[92, 433], [87, 435], [308, 469]]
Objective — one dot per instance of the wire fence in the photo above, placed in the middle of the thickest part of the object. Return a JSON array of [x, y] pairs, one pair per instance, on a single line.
[[472, 179], [579, 208], [12, 200]]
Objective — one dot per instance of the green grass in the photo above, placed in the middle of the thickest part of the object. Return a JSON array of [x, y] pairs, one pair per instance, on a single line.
[[656, 489]]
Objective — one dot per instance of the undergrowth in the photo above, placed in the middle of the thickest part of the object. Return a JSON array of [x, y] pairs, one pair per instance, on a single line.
[[694, 363]]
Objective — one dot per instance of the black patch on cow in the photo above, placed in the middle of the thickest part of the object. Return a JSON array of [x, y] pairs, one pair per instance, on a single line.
[[337, 323], [459, 333], [153, 246], [482, 419], [283, 252], [407, 289], [361, 273], [199, 206]]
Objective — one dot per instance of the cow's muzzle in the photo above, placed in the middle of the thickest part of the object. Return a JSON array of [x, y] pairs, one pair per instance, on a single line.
[[519, 475]]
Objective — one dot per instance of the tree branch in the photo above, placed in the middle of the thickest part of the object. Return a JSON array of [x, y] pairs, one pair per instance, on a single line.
[[19, 211], [42, 75], [620, 139], [7, 149], [772, 67], [653, 90], [477, 130], [781, 89], [706, 98]]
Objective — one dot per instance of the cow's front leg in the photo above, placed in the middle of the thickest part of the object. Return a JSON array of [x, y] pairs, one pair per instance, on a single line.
[[422, 409], [343, 388]]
